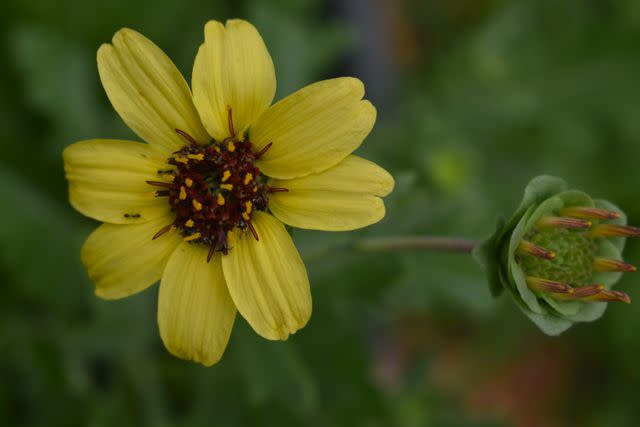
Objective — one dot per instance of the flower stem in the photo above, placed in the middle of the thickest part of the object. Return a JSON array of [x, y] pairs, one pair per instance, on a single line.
[[415, 243], [398, 244]]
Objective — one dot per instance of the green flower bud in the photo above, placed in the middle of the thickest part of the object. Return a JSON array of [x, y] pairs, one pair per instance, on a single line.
[[559, 255]]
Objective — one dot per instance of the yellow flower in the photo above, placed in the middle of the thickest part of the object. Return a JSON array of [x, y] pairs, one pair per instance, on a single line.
[[201, 205]]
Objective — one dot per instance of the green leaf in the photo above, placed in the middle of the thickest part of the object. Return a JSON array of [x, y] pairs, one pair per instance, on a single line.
[[274, 371]]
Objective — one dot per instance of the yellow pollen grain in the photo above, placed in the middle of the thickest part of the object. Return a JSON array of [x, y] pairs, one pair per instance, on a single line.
[[248, 206], [182, 160], [255, 189], [189, 223], [217, 149], [220, 199], [198, 156], [247, 178], [188, 182], [246, 216], [194, 236], [225, 176], [183, 193], [227, 187], [231, 146], [197, 205]]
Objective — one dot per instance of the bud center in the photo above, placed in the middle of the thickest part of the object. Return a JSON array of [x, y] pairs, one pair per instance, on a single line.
[[573, 263]]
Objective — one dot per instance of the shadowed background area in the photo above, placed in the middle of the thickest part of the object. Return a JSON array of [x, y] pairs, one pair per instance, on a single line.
[[474, 98]]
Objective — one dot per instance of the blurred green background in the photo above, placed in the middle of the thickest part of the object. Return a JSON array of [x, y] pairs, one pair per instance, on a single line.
[[474, 98]]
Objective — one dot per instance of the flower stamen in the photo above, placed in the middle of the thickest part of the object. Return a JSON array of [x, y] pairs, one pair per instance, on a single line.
[[611, 296], [584, 212], [582, 292], [160, 184], [531, 249], [270, 189], [215, 189], [263, 150], [253, 231], [614, 230], [186, 136], [232, 131], [606, 264], [163, 230], [538, 284], [194, 236], [563, 222], [212, 250]]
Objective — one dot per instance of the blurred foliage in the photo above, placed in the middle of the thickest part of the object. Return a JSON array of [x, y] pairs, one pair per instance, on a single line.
[[474, 96]]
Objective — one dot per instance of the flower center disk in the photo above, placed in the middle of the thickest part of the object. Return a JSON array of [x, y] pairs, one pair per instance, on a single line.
[[574, 254], [215, 188]]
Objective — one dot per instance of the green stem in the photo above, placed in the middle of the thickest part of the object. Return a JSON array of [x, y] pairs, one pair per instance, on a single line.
[[399, 244], [415, 243]]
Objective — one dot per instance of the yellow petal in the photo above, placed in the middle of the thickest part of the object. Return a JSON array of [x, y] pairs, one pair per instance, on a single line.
[[314, 128], [107, 180], [195, 311], [267, 279], [344, 197], [233, 69], [123, 260], [148, 91]]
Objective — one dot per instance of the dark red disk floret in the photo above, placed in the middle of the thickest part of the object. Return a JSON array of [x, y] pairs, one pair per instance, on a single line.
[[214, 189]]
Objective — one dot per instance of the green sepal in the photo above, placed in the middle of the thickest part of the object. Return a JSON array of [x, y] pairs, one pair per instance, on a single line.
[[486, 254], [544, 195]]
